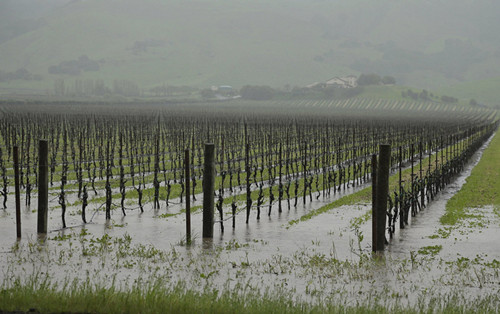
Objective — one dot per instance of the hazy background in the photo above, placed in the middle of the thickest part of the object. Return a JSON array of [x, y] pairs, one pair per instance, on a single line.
[[451, 46]]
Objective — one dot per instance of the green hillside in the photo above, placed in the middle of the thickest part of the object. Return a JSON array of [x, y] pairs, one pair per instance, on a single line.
[[486, 91], [202, 43]]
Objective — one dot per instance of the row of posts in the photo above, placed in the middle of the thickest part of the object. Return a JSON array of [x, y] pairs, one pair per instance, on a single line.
[[380, 190], [43, 188]]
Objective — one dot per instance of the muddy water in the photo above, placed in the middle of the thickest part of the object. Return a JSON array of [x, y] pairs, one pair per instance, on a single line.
[[325, 259]]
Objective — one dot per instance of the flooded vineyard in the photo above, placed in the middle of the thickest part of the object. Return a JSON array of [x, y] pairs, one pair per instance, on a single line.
[[117, 204]]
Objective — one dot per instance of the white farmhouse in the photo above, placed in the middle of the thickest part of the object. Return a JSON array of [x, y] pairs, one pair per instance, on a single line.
[[343, 82]]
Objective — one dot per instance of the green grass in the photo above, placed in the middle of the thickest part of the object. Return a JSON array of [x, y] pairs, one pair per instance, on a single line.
[[384, 92], [47, 297], [482, 187], [155, 299], [430, 250]]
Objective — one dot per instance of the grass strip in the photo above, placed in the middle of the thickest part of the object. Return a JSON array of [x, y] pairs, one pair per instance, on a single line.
[[46, 297], [482, 187]]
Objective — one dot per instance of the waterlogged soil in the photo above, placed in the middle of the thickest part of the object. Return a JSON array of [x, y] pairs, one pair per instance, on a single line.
[[325, 259], [475, 235]]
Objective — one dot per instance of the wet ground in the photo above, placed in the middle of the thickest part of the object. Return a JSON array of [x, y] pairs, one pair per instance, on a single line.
[[327, 258]]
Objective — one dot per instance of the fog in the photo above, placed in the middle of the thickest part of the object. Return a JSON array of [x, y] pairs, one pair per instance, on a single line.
[[423, 44]]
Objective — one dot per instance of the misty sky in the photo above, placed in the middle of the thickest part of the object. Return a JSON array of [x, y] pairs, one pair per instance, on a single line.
[[427, 44]]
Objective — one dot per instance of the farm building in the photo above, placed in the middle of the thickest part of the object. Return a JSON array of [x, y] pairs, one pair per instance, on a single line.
[[343, 82]]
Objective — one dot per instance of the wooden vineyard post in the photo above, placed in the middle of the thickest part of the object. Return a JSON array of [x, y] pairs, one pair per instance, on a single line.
[[374, 198], [280, 183], [412, 181], [247, 171], [401, 214], [382, 190], [422, 203], [43, 186], [208, 191], [17, 191], [188, 199], [304, 170], [108, 185]]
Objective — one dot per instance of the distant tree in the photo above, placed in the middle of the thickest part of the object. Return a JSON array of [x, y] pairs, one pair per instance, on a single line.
[[424, 95], [298, 91], [257, 92], [369, 79], [320, 87], [66, 67], [22, 74], [411, 94], [86, 64], [351, 92], [19, 74], [207, 93], [74, 67], [449, 99], [388, 80], [473, 103]]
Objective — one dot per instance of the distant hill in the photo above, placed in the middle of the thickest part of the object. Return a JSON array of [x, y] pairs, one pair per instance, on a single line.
[[427, 44], [485, 91]]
